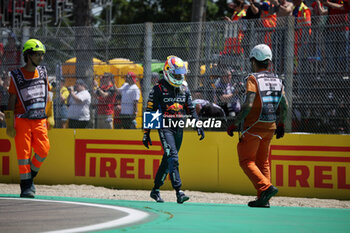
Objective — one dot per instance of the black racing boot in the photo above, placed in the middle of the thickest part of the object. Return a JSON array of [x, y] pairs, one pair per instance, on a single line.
[[181, 197], [33, 186], [263, 200], [33, 173], [155, 194], [26, 190], [256, 204]]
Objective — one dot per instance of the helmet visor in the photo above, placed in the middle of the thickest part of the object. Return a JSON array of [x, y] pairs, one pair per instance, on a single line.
[[180, 70], [178, 77]]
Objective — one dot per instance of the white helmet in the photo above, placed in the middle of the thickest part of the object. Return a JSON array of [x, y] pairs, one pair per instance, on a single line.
[[174, 71], [261, 52]]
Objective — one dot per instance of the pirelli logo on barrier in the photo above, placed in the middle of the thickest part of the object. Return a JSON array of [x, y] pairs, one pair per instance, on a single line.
[[116, 158], [5, 147], [325, 167]]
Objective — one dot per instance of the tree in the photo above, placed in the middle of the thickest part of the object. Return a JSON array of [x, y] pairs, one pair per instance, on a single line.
[[82, 19], [216, 11], [82, 12], [161, 11], [133, 12]]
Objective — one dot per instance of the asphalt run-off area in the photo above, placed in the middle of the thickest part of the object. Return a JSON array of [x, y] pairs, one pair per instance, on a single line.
[[65, 214]]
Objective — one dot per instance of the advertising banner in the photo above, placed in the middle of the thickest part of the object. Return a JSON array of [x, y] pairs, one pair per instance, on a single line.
[[302, 165]]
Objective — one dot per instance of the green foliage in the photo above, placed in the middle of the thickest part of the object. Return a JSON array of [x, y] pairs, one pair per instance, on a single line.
[[175, 11], [212, 11], [161, 11], [216, 11]]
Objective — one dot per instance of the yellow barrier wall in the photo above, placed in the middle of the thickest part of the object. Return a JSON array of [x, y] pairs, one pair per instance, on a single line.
[[302, 165]]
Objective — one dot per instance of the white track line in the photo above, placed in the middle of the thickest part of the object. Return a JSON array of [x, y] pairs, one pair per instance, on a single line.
[[132, 217]]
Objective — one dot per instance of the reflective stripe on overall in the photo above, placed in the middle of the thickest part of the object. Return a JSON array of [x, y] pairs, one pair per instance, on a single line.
[[33, 93], [31, 127], [254, 144]]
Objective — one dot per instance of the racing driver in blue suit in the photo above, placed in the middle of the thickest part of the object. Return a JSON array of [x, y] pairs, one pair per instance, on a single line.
[[173, 99]]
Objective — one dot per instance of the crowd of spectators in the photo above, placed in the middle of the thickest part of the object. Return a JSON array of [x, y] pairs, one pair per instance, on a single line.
[[227, 95], [272, 15], [221, 98], [62, 104], [79, 101], [105, 94], [105, 105], [4, 96], [321, 53], [130, 95]]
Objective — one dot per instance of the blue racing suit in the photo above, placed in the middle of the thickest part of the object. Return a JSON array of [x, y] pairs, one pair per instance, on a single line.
[[173, 103]]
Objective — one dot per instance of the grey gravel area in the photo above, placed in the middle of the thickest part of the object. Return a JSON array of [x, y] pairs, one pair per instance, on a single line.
[[89, 191]]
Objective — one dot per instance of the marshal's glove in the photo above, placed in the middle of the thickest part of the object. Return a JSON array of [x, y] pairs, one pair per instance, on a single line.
[[146, 140], [230, 129], [200, 132], [10, 124], [279, 131]]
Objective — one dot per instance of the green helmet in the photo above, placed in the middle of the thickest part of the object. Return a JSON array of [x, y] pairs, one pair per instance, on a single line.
[[33, 45]]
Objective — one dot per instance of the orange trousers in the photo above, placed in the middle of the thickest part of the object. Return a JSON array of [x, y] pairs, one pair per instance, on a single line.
[[253, 152], [31, 135]]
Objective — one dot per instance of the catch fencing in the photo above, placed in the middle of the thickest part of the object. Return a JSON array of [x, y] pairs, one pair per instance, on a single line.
[[313, 61]]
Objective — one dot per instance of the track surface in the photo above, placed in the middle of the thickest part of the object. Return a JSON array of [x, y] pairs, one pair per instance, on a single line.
[[59, 214]]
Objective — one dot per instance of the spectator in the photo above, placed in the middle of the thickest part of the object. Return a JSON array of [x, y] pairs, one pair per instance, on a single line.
[[2, 116], [227, 95], [1, 52], [4, 95], [302, 33], [155, 78], [238, 10], [79, 101], [253, 11], [319, 22], [318, 8], [268, 19], [105, 93], [336, 7], [198, 93], [63, 105], [11, 53], [117, 110], [337, 48], [233, 35], [282, 8], [50, 109], [302, 18], [297, 119], [344, 116], [130, 94]]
